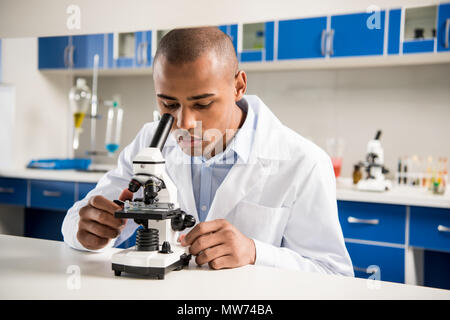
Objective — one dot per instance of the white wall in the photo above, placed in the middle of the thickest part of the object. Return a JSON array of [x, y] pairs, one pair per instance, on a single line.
[[42, 117]]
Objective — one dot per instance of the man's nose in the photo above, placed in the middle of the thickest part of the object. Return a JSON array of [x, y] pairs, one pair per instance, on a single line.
[[186, 119]]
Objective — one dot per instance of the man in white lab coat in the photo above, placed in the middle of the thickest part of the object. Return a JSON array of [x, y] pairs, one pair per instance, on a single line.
[[263, 194]]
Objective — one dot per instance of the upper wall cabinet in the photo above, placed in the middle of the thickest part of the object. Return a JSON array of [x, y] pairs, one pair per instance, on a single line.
[[443, 28], [256, 42], [378, 34], [302, 38], [129, 49], [358, 34], [71, 52]]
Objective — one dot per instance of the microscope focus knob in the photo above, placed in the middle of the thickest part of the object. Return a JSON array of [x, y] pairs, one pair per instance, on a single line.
[[182, 221], [189, 221]]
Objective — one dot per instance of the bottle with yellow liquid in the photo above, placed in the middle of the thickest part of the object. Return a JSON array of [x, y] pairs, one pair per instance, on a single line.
[[79, 98]]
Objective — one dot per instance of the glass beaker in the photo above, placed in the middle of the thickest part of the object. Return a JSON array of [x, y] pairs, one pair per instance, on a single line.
[[113, 126], [79, 99], [335, 148]]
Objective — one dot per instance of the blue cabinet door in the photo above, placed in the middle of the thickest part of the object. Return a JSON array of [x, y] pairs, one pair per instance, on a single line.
[[301, 38], [358, 34], [13, 191], [143, 49], [395, 21], [142, 52], [84, 188], [85, 47], [388, 263], [429, 228], [373, 221], [443, 41], [57, 195], [53, 52], [264, 54]]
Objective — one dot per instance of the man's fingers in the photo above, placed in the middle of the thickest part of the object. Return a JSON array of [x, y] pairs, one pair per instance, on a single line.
[[206, 241], [210, 254], [101, 216], [104, 204], [201, 229], [126, 195], [98, 229], [223, 262], [91, 241]]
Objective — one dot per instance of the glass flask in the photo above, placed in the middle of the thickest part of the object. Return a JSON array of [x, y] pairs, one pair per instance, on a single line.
[[79, 99], [113, 126]]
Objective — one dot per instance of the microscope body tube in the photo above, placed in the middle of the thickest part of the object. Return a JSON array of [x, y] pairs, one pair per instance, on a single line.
[[162, 131]]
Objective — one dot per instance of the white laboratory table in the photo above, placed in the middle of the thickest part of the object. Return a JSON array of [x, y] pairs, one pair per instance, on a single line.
[[42, 269]]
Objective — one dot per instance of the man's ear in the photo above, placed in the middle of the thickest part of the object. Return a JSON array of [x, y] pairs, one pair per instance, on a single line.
[[240, 84]]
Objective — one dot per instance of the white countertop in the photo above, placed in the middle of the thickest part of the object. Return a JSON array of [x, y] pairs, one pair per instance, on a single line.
[[398, 195], [42, 269], [59, 175], [345, 190]]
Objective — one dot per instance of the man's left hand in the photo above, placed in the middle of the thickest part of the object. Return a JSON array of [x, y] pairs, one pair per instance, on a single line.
[[219, 244]]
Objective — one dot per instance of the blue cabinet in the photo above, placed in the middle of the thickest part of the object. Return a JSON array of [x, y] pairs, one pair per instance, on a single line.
[[83, 189], [443, 28], [395, 22], [430, 228], [387, 262], [358, 34], [53, 52], [70, 51], [264, 37], [13, 191], [85, 47], [55, 195], [129, 50], [373, 221], [301, 38]]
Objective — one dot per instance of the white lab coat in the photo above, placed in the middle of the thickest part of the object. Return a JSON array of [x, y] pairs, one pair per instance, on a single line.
[[284, 198]]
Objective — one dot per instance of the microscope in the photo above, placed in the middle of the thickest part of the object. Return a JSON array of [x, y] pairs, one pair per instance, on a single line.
[[156, 251], [375, 168]]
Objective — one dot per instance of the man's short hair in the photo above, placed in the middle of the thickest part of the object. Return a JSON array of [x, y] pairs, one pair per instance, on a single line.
[[180, 46]]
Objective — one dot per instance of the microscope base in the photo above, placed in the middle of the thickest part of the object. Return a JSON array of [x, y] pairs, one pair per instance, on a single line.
[[150, 264]]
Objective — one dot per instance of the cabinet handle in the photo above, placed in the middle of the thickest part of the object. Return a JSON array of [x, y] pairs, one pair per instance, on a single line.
[[71, 50], [442, 228], [363, 221], [66, 56], [55, 194], [447, 27], [331, 41], [144, 53], [6, 190], [322, 42]]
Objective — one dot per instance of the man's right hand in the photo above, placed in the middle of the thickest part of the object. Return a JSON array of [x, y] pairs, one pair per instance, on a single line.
[[97, 225]]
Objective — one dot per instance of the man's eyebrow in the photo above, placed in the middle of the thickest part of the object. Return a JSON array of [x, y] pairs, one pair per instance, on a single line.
[[166, 97], [201, 96]]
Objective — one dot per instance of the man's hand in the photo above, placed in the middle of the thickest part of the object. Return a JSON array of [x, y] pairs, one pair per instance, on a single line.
[[219, 244], [97, 225]]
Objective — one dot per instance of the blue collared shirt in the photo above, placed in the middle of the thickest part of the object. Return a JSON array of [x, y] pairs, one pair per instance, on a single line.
[[208, 174]]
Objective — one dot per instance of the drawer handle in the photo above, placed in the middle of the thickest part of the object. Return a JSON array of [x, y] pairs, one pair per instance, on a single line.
[[363, 221], [55, 194], [6, 190], [442, 228]]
